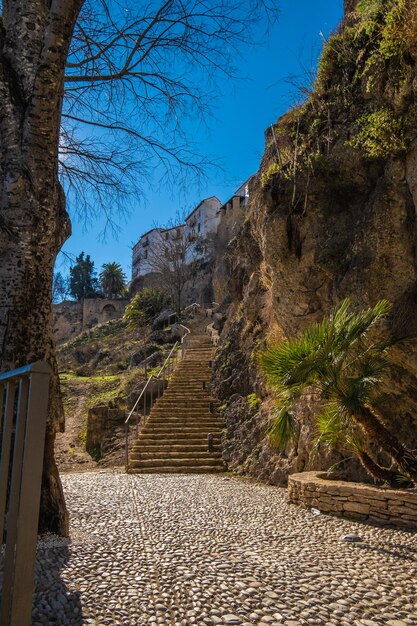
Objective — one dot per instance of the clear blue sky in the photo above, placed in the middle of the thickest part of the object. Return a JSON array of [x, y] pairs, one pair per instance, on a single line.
[[236, 135]]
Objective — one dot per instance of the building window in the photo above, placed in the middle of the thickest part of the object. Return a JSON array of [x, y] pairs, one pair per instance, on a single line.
[[166, 236], [199, 228], [145, 254]]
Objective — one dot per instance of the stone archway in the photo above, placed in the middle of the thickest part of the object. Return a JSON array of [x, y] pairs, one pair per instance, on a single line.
[[109, 311]]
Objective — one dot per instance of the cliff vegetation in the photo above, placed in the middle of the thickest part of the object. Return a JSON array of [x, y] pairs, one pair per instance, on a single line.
[[332, 216]]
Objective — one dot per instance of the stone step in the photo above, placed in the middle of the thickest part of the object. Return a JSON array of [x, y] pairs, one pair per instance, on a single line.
[[180, 415], [193, 380], [175, 470], [176, 434], [175, 427], [184, 446], [190, 375], [184, 462], [177, 424], [186, 389], [186, 413], [145, 455], [180, 408], [183, 440], [183, 402], [174, 438], [196, 417], [165, 434], [178, 411], [183, 397], [188, 383]]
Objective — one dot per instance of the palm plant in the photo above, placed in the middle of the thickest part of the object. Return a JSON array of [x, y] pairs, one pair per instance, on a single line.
[[112, 279], [344, 361]]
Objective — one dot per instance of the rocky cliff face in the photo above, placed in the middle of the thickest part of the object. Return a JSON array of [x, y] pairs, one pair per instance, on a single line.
[[332, 215]]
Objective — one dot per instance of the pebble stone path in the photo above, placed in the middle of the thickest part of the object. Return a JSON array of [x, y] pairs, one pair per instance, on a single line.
[[208, 550]]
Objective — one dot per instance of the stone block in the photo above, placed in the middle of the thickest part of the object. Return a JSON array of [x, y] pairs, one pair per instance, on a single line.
[[396, 510], [377, 515], [354, 515], [356, 507], [324, 506], [401, 521], [410, 518], [379, 504]]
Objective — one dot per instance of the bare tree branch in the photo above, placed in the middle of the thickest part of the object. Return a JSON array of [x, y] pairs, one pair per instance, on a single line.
[[136, 74]]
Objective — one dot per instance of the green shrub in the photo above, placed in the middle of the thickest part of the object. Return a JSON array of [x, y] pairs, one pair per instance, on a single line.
[[268, 173], [145, 306], [372, 12], [253, 401], [380, 135]]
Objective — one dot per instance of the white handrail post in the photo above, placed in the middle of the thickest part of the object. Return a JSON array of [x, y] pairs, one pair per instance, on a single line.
[[31, 383]]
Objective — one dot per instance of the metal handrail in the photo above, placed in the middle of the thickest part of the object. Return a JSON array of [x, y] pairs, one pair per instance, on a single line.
[[166, 360], [24, 396], [142, 393]]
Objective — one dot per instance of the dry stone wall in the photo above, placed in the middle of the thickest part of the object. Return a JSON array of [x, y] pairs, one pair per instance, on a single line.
[[101, 426], [354, 500]]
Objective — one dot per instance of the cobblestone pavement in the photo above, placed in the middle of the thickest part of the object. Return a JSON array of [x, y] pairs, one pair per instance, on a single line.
[[205, 549]]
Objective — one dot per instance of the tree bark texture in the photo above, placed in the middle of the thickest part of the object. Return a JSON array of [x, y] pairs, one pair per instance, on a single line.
[[375, 431], [34, 41], [379, 473]]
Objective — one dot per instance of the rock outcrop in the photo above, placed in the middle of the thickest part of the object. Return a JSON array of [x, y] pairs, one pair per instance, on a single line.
[[332, 215]]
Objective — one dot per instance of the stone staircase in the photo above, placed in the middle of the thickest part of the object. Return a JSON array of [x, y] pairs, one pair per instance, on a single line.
[[174, 438]]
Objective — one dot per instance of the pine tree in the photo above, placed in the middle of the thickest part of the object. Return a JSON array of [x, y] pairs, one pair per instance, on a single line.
[[83, 282]]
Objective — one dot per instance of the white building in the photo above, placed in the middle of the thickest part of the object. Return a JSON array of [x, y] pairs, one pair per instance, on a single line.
[[201, 222]]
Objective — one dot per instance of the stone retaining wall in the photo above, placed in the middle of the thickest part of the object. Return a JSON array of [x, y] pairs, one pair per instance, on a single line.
[[71, 317], [354, 500], [102, 424]]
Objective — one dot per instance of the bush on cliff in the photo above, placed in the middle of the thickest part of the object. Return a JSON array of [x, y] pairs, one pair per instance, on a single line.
[[147, 304], [344, 360]]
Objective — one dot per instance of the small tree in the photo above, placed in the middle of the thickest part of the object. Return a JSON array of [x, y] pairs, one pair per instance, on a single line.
[[145, 306], [173, 257], [343, 360], [83, 282], [60, 287], [112, 280]]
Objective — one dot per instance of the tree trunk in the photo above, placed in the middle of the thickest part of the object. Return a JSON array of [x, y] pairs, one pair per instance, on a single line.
[[34, 40], [378, 433], [376, 471]]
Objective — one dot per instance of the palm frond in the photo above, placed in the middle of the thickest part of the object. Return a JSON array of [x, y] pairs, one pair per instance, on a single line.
[[354, 441], [332, 426], [295, 362], [351, 328], [283, 429], [404, 481]]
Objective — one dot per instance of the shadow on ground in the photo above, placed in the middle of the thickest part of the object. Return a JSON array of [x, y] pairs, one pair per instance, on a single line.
[[53, 602]]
